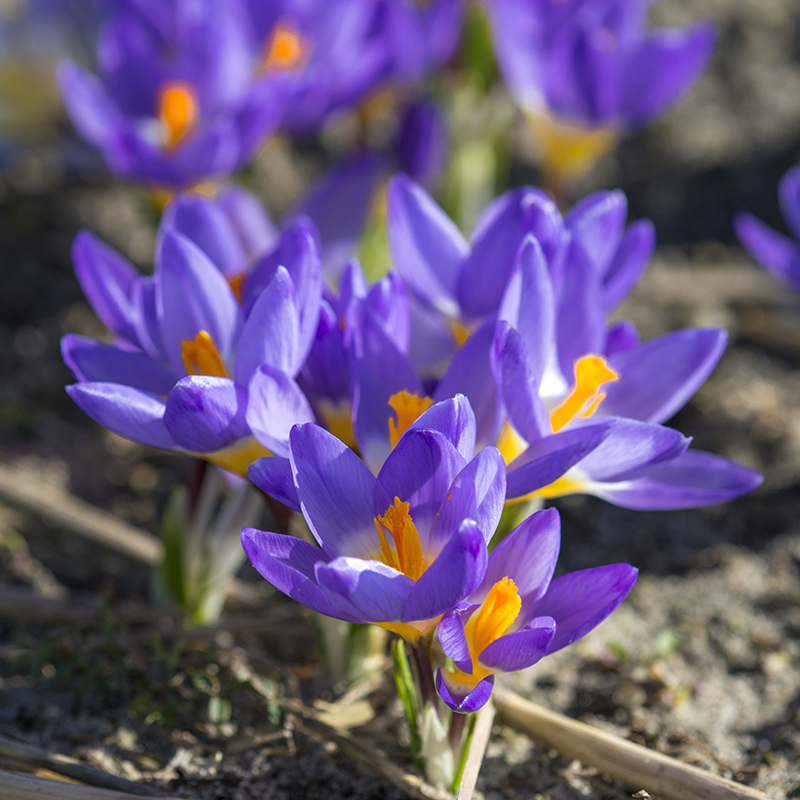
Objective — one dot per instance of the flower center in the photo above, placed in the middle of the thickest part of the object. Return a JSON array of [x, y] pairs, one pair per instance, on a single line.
[[178, 112], [237, 285], [407, 556], [285, 48], [460, 331], [201, 357], [591, 372], [495, 616], [339, 420], [408, 408]]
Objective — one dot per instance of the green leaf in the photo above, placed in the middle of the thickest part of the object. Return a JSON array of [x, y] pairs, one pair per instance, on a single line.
[[173, 534], [462, 761], [406, 689]]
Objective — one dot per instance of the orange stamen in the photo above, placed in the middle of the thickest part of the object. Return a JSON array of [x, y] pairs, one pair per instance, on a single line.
[[285, 48], [237, 284], [408, 557], [201, 357], [591, 372], [495, 616], [408, 408], [178, 112], [460, 331]]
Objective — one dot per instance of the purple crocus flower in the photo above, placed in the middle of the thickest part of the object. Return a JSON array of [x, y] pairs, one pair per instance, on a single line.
[[777, 253], [398, 550], [183, 93], [562, 374], [191, 369], [519, 614], [588, 70]]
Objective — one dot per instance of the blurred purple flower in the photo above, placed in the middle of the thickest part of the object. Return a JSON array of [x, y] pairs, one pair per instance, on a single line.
[[775, 252], [519, 614]]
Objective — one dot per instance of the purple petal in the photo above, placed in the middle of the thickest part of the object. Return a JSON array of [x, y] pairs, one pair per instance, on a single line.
[[495, 242], [204, 222], [580, 601], [273, 475], [630, 261], [94, 361], [789, 196], [255, 229], [126, 411], [529, 304], [658, 378], [774, 251], [664, 69], [581, 327], [107, 280], [339, 496], [454, 419], [338, 203], [288, 564], [631, 446], [528, 556], [520, 649], [427, 248], [470, 374], [380, 371], [389, 301], [92, 111], [275, 403], [450, 633], [194, 297], [470, 702], [204, 413], [548, 459], [457, 570], [621, 337], [692, 480], [270, 335], [478, 492], [419, 471], [519, 387], [367, 590], [598, 223]]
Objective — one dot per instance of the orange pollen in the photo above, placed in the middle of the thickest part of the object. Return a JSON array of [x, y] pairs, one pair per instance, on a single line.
[[201, 357], [460, 331], [237, 284], [178, 112], [285, 48], [408, 408], [407, 557], [591, 372], [495, 616]]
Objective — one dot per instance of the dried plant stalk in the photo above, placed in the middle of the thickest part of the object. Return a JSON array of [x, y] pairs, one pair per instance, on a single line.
[[615, 756]]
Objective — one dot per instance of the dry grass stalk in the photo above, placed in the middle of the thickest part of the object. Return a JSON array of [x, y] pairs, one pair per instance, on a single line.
[[615, 756], [477, 750], [26, 787]]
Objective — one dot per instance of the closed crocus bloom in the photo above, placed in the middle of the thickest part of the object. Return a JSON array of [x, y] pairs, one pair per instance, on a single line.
[[182, 94], [776, 252], [519, 614], [398, 550], [188, 356], [587, 71]]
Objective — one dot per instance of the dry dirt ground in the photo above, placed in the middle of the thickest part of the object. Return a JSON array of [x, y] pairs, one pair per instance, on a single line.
[[701, 662]]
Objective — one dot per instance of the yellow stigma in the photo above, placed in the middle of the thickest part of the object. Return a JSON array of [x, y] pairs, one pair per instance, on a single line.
[[495, 616], [591, 372], [408, 408], [460, 331], [510, 443], [178, 112], [237, 285], [407, 557], [567, 151], [285, 48], [201, 357]]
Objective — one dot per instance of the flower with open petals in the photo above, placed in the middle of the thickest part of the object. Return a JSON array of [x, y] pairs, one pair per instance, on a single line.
[[188, 357], [398, 550], [587, 71], [519, 614]]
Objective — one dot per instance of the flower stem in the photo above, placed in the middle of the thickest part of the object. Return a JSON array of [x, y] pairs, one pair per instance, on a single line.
[[424, 669], [457, 722]]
